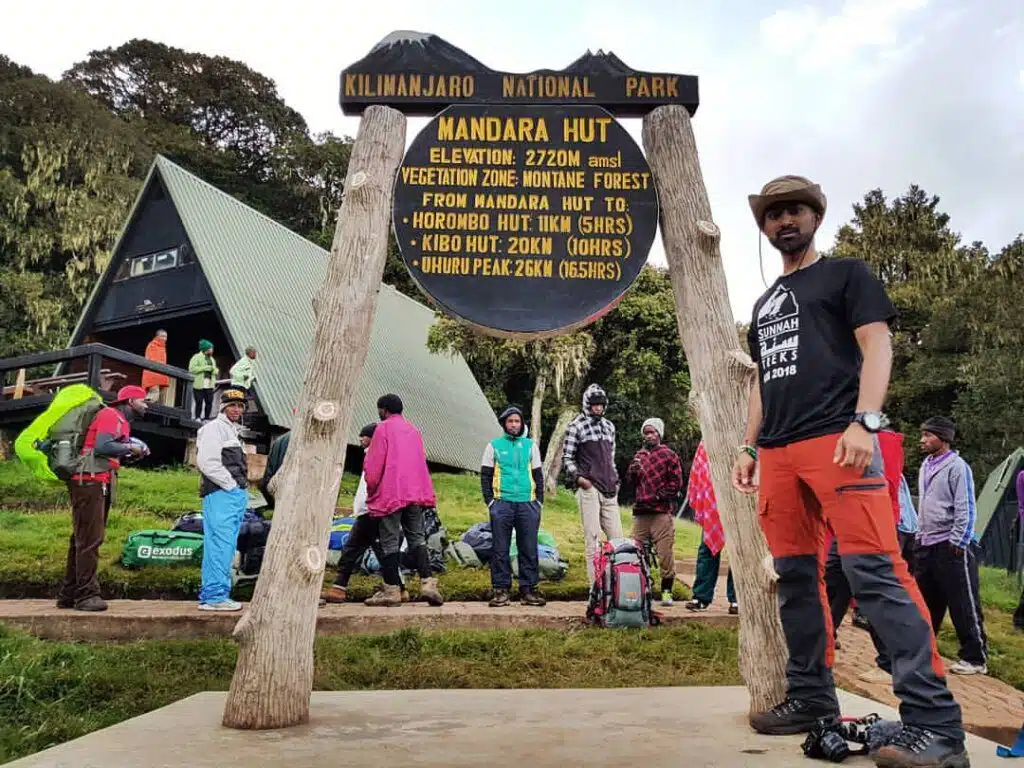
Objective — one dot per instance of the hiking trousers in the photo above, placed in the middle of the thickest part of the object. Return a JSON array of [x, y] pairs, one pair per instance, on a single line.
[[597, 513], [408, 521], [840, 596], [524, 518], [223, 512], [204, 404], [362, 537], [706, 578], [90, 506], [944, 576], [661, 528], [802, 492]]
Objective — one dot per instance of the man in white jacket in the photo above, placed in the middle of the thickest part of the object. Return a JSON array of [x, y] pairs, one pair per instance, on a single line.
[[364, 535], [222, 464]]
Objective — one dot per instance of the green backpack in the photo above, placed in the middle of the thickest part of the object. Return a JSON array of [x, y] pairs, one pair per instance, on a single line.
[[65, 439], [162, 548], [35, 446]]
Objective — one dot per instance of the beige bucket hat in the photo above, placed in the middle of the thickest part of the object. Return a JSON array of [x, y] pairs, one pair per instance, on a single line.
[[787, 189]]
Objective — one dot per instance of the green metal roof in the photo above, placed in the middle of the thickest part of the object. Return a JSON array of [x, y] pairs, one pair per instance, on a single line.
[[264, 276]]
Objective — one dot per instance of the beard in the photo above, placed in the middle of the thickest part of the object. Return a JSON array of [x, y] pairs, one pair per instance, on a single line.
[[790, 245]]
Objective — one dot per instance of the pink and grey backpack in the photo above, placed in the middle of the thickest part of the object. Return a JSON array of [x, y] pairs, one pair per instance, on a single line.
[[621, 593]]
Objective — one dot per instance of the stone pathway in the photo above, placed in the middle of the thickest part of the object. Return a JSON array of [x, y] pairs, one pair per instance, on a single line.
[[167, 619]]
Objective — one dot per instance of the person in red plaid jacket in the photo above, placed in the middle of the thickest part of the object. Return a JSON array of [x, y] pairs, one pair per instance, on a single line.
[[700, 495], [657, 475]]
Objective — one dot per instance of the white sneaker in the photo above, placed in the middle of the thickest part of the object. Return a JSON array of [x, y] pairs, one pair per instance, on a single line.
[[666, 598], [222, 606], [967, 668], [877, 676]]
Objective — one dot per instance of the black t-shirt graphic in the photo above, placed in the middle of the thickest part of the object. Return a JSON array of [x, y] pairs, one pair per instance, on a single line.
[[801, 336]]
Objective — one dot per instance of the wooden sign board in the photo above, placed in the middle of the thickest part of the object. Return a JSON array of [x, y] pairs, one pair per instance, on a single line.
[[525, 221], [523, 208], [421, 74]]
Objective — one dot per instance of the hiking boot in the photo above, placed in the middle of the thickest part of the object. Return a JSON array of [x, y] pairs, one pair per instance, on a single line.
[[222, 606], [65, 602], [429, 591], [532, 597], [93, 604], [734, 609], [696, 605], [388, 597], [789, 717], [666, 597], [916, 747], [967, 668], [334, 594], [500, 599]]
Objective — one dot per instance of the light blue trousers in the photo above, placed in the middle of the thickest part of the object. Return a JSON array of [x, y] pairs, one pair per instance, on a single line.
[[222, 518]]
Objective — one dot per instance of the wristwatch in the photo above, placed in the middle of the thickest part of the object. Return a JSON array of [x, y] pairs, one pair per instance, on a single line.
[[870, 420]]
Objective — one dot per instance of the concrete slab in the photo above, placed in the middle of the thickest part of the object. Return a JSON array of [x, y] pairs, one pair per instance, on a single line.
[[646, 726], [179, 620]]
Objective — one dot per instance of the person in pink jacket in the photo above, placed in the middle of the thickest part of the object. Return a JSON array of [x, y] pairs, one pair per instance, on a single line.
[[398, 489]]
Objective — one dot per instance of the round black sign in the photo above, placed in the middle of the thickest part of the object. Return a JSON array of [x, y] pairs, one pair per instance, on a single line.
[[525, 220]]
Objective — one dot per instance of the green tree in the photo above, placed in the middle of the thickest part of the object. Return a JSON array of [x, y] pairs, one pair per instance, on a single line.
[[990, 409], [69, 171], [640, 361]]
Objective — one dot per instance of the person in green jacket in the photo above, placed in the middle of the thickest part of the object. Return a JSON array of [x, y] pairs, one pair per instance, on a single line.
[[204, 368], [512, 482], [243, 373]]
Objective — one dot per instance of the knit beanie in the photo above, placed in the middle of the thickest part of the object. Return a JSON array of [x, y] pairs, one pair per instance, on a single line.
[[658, 424], [509, 412], [941, 427], [205, 345]]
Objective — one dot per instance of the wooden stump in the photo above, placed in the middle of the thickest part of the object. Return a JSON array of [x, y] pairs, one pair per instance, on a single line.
[[722, 375], [273, 680]]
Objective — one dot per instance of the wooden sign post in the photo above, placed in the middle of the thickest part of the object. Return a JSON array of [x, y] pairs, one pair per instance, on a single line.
[[721, 375], [273, 679]]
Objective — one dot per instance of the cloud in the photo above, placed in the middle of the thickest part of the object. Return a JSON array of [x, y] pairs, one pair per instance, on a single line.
[[817, 41]]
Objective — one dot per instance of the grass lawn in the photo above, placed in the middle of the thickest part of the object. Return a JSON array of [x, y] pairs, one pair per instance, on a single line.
[[54, 692], [35, 524]]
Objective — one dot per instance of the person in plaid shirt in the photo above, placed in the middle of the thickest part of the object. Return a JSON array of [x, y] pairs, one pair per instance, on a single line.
[[657, 475], [589, 461], [700, 495]]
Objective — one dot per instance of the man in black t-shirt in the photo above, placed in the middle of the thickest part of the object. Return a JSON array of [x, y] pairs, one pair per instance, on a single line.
[[820, 338]]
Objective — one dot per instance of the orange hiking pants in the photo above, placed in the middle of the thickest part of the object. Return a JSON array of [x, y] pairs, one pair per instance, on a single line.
[[801, 493]]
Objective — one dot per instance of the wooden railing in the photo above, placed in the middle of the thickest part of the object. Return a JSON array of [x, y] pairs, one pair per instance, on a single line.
[[96, 376]]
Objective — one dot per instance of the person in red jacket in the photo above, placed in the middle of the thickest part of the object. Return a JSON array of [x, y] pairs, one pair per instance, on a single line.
[[106, 444]]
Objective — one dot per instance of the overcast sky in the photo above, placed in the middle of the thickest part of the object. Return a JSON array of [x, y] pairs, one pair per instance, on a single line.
[[855, 94]]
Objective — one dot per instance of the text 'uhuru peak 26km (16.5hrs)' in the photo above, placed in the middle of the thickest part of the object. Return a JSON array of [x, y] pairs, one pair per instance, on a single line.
[[525, 219]]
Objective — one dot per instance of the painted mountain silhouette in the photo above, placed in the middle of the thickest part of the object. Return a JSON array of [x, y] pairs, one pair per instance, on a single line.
[[599, 63], [408, 51]]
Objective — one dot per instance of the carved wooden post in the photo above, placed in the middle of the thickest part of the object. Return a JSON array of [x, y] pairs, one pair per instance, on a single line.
[[273, 680], [722, 375]]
